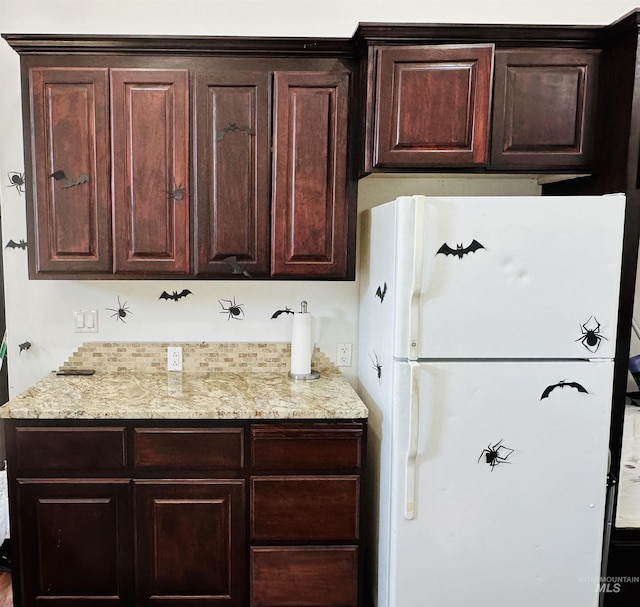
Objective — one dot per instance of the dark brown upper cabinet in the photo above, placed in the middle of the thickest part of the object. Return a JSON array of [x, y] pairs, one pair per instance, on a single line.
[[150, 164], [232, 131], [271, 153], [272, 171], [165, 157], [432, 105], [310, 216], [544, 108], [109, 153], [69, 168]]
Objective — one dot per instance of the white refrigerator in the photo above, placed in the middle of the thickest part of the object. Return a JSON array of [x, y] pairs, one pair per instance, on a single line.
[[487, 338]]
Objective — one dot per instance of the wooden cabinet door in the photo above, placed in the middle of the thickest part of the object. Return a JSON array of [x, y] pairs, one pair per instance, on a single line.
[[232, 133], [312, 202], [70, 208], [73, 543], [150, 160], [190, 547], [544, 108], [432, 106]]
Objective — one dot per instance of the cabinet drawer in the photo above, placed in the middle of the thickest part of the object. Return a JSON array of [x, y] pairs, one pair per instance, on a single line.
[[307, 575], [219, 448], [305, 508], [64, 448], [300, 447]]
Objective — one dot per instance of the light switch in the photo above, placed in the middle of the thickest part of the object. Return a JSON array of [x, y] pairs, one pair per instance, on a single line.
[[85, 321]]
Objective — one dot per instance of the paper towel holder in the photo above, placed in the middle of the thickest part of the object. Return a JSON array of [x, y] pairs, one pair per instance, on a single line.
[[312, 374], [304, 376]]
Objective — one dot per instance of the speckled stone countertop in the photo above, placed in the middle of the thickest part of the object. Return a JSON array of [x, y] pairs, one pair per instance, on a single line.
[[175, 395], [160, 394]]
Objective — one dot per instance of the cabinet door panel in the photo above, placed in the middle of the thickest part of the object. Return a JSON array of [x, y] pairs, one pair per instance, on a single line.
[[432, 105], [304, 576], [544, 109], [232, 130], [75, 537], [190, 542], [70, 139], [311, 211], [150, 157]]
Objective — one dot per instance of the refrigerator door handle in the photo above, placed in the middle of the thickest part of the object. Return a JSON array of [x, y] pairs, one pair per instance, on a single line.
[[412, 451], [416, 281]]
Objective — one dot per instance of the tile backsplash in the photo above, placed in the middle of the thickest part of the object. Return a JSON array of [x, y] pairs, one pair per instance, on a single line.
[[205, 357]]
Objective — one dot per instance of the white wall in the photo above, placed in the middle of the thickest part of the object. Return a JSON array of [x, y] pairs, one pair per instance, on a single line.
[[41, 311]]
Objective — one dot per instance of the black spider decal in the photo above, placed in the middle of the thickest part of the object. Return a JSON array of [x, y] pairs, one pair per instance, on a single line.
[[376, 366], [233, 310], [591, 336], [121, 311], [16, 181], [495, 455], [177, 193]]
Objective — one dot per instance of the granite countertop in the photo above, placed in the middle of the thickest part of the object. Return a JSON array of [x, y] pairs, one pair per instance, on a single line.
[[180, 395]]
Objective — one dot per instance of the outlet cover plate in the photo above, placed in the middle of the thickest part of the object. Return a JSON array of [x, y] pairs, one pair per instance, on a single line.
[[174, 358]]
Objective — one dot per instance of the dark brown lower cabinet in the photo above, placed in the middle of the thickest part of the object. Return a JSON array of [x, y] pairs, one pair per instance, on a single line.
[[74, 539], [305, 515], [184, 513], [189, 542]]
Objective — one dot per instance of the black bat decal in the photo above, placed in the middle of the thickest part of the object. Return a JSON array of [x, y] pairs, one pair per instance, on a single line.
[[285, 311], [563, 384], [67, 182], [460, 251], [25, 345], [12, 244], [232, 128], [235, 266], [175, 295], [381, 292]]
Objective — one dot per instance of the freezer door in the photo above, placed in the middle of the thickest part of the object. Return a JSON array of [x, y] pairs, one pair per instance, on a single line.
[[508, 277], [509, 485]]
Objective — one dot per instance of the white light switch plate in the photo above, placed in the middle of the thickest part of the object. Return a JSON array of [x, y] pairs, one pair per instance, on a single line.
[[85, 321]]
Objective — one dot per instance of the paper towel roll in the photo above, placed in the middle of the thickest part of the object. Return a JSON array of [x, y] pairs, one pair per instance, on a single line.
[[301, 344]]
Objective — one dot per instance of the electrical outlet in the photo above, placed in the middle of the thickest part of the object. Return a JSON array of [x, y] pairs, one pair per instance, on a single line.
[[344, 355], [174, 358]]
